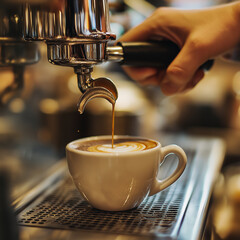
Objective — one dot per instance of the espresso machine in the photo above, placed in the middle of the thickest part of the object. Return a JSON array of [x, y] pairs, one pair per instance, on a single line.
[[77, 34]]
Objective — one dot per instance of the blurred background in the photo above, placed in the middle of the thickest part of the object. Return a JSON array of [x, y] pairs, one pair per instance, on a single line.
[[40, 118]]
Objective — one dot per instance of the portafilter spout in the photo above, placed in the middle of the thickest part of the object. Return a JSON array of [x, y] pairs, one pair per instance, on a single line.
[[94, 88]]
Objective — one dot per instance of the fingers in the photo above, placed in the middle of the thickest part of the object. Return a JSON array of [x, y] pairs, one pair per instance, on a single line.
[[182, 74], [197, 77], [145, 76], [153, 80], [142, 32], [170, 88], [184, 71], [140, 74]]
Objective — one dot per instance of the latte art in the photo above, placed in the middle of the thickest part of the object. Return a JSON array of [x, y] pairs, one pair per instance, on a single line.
[[120, 147], [123, 145]]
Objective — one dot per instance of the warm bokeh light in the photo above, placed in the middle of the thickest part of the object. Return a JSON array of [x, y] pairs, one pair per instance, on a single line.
[[49, 106], [17, 105]]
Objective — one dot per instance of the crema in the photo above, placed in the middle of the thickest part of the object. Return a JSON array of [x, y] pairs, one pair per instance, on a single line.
[[120, 145]]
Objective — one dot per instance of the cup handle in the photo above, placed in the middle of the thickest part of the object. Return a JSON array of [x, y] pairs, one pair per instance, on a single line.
[[159, 185]]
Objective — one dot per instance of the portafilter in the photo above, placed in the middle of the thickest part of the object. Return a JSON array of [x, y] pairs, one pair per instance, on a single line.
[[77, 33]]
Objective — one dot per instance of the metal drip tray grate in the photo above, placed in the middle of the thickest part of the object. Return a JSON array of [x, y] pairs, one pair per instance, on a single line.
[[64, 208]]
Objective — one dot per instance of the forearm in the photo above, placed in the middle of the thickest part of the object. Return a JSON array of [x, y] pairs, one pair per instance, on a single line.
[[236, 17]]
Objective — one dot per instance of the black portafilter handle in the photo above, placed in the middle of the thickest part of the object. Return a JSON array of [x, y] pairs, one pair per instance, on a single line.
[[152, 54]]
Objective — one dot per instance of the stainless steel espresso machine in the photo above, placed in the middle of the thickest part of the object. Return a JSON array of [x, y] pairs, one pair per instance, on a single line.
[[77, 34]]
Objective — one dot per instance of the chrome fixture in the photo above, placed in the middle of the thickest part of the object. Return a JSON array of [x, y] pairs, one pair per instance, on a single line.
[[76, 33], [14, 51]]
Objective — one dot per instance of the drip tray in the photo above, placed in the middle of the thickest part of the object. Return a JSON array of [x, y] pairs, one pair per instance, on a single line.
[[62, 207]]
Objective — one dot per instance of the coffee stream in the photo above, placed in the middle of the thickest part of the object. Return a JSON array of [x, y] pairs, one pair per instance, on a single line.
[[113, 123], [118, 145]]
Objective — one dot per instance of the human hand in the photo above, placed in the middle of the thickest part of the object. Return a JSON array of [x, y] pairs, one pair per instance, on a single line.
[[201, 35]]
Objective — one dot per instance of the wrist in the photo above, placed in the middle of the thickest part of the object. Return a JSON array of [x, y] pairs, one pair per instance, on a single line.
[[236, 16]]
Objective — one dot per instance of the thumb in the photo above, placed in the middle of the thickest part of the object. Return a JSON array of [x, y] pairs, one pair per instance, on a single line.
[[182, 70]]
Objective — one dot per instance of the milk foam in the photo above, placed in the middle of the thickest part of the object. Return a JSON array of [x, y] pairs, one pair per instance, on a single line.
[[118, 148]]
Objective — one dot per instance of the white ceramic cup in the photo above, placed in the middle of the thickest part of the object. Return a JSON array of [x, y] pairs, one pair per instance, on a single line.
[[120, 181]]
